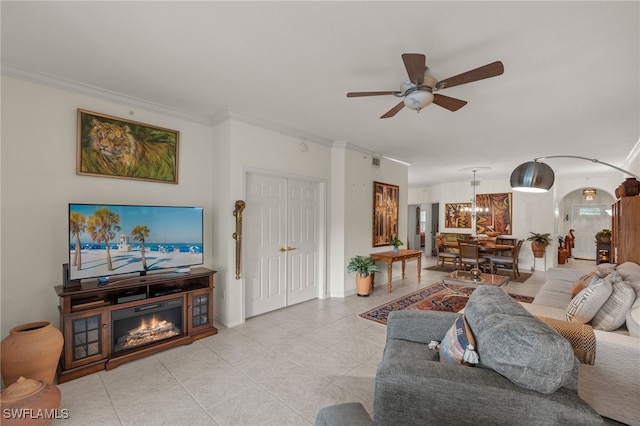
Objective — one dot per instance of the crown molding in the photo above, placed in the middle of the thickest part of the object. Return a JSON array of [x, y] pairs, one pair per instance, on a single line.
[[24, 73], [27, 74], [232, 114]]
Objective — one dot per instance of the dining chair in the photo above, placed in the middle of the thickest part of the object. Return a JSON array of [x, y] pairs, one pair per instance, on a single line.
[[446, 256], [470, 255], [507, 262]]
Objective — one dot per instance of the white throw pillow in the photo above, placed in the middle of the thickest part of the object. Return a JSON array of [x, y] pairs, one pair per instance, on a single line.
[[588, 302], [613, 312]]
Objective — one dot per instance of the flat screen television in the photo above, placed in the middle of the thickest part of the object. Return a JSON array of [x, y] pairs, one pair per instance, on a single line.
[[110, 239]]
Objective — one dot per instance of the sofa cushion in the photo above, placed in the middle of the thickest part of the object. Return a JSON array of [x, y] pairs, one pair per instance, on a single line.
[[586, 304], [614, 277], [633, 321], [613, 312], [517, 345], [456, 342], [631, 273], [604, 269]]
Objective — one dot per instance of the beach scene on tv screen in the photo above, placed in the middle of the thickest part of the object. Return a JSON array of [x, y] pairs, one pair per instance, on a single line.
[[108, 240]]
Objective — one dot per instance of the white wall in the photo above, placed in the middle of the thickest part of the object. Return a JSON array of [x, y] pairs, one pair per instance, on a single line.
[[358, 212], [39, 180], [254, 149]]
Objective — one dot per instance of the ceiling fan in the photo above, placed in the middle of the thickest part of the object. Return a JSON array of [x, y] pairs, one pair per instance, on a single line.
[[418, 92]]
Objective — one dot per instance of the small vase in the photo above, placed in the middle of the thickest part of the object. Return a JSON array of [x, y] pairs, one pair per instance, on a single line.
[[396, 249], [631, 187], [32, 351], [619, 191]]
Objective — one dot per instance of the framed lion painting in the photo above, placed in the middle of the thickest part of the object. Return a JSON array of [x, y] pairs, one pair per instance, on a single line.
[[119, 148]]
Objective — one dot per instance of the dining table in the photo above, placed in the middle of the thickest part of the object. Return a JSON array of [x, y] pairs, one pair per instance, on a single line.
[[485, 248]]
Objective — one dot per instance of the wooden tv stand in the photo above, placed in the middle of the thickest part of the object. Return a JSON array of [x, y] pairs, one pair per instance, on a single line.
[[88, 314]]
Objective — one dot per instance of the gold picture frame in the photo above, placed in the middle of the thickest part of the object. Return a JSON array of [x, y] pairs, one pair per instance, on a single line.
[[386, 198], [119, 148]]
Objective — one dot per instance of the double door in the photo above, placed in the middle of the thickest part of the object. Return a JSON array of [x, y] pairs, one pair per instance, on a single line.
[[281, 242]]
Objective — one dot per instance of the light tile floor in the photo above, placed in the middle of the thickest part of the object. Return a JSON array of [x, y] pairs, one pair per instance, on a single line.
[[277, 369]]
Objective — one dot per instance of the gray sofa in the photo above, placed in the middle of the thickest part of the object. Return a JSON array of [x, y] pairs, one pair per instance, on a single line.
[[536, 385], [612, 385]]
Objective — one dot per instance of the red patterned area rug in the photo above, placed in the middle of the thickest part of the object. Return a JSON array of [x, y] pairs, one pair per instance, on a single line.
[[427, 298]]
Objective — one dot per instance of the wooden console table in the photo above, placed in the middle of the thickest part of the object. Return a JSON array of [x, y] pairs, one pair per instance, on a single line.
[[390, 256]]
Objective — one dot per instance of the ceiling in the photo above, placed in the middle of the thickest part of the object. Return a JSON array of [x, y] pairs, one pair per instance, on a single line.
[[571, 83]]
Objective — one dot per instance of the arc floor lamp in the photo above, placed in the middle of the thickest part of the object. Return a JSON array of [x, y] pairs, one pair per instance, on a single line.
[[536, 176]]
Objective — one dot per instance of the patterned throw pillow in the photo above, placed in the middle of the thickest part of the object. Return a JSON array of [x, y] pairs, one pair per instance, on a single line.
[[586, 304], [583, 283], [613, 312], [458, 345]]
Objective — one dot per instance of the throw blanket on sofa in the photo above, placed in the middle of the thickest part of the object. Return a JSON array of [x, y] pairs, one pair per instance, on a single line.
[[581, 337]]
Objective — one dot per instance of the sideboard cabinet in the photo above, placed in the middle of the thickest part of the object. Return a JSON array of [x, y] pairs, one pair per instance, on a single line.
[[625, 239]]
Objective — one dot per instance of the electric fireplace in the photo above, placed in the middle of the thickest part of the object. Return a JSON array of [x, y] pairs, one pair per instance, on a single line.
[[132, 317], [147, 324]]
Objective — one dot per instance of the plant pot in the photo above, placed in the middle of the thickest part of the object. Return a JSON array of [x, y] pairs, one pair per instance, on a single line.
[[28, 396], [31, 350], [363, 285], [538, 249], [396, 250]]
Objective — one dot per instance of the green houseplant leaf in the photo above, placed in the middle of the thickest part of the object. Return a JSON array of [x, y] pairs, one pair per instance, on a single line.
[[605, 234], [544, 239], [363, 265], [396, 242]]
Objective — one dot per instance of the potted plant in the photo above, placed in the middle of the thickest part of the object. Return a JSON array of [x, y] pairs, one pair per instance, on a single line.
[[395, 243], [562, 252], [603, 236], [539, 243], [364, 267]]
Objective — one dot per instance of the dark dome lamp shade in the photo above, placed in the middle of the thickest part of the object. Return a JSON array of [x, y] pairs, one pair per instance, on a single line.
[[532, 176]]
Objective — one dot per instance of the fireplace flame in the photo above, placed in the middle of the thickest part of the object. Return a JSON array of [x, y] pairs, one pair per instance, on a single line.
[[150, 330], [152, 325]]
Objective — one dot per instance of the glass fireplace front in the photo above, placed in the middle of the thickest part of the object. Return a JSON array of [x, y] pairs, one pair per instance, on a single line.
[[146, 324]]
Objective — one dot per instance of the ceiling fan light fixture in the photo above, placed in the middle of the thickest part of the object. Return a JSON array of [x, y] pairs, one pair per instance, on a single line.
[[418, 99]]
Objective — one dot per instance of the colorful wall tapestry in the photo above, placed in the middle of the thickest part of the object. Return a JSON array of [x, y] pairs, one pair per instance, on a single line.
[[498, 216], [457, 215]]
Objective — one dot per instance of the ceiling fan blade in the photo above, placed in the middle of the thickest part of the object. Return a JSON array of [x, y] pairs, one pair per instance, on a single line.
[[416, 65], [490, 70], [393, 111], [358, 94], [452, 104]]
